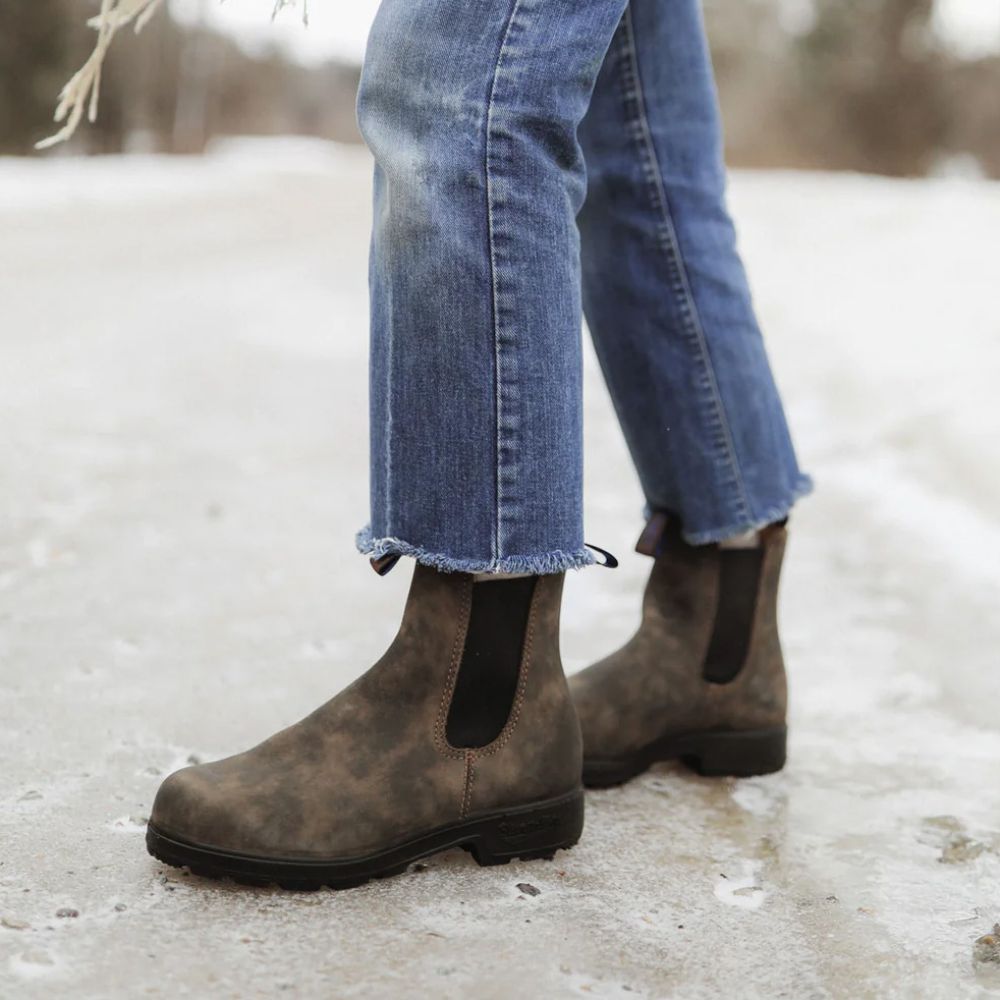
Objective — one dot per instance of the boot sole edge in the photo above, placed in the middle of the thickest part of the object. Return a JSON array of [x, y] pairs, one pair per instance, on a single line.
[[719, 754], [533, 831]]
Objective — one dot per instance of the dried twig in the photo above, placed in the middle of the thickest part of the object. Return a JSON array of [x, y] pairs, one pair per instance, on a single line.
[[83, 91]]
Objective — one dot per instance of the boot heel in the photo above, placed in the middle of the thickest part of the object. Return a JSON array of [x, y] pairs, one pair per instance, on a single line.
[[533, 832], [738, 755]]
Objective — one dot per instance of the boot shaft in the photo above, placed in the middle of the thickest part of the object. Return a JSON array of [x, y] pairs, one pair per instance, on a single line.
[[516, 732], [703, 678], [720, 602]]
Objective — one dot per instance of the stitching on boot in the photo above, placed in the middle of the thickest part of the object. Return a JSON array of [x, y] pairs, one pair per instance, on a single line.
[[489, 671], [712, 694], [440, 741], [470, 777], [722, 695], [734, 628], [744, 677], [766, 567]]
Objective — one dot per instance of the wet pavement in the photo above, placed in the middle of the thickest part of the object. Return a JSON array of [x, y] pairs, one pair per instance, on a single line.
[[183, 406]]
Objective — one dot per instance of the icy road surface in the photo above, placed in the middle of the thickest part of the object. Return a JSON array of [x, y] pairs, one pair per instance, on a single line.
[[183, 463]]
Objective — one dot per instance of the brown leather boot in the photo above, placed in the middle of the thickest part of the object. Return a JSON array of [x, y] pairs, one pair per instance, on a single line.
[[703, 680], [462, 735]]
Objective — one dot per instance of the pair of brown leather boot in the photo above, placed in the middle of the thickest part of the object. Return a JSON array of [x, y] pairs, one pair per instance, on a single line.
[[467, 734]]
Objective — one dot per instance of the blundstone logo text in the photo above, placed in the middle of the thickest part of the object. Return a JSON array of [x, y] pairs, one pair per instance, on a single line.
[[518, 829]]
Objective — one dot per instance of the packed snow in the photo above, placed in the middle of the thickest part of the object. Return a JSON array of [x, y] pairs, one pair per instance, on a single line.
[[183, 406]]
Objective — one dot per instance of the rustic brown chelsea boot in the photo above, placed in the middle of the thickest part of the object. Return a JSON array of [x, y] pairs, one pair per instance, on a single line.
[[703, 680], [462, 735]]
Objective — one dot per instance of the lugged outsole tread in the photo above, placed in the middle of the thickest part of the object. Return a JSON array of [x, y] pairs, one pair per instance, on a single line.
[[712, 755], [528, 833], [318, 885]]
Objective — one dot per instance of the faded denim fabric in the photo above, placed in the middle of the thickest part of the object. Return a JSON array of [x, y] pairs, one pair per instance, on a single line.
[[481, 115]]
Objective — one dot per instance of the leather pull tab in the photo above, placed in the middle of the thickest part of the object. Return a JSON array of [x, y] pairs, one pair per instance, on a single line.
[[610, 562], [384, 564], [651, 538]]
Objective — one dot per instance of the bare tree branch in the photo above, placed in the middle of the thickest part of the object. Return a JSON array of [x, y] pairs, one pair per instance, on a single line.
[[82, 93]]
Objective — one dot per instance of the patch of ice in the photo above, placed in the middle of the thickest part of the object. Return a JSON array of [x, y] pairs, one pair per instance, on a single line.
[[759, 797], [590, 986], [742, 890], [128, 824], [35, 963]]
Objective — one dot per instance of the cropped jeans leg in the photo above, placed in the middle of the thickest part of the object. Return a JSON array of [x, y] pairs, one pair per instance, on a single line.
[[485, 118], [665, 292], [471, 109]]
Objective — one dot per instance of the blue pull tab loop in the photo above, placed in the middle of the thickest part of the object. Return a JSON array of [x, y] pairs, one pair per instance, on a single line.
[[610, 562]]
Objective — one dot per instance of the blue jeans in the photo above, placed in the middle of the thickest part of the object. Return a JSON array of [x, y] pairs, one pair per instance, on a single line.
[[535, 158]]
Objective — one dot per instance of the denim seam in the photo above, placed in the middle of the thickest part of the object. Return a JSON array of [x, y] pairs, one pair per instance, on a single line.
[[499, 372], [637, 117], [389, 350]]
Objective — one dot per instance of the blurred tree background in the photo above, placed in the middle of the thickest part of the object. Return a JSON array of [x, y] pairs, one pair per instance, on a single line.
[[169, 89], [862, 85]]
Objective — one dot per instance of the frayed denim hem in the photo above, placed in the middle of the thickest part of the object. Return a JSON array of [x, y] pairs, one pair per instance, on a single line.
[[543, 563], [777, 512]]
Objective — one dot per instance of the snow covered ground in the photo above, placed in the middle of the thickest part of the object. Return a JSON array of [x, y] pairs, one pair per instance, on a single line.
[[183, 463]]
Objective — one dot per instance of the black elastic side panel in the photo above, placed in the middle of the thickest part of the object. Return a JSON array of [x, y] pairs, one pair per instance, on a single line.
[[491, 662], [739, 581]]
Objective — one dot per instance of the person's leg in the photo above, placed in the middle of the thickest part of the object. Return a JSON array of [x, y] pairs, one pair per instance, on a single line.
[[665, 292], [471, 109], [668, 304], [464, 732]]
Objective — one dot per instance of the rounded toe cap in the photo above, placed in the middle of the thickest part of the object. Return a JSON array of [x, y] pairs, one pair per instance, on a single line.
[[222, 808], [184, 809]]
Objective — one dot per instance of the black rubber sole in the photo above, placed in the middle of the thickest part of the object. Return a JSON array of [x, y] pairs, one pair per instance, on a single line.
[[527, 832], [712, 754]]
